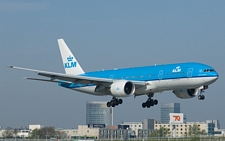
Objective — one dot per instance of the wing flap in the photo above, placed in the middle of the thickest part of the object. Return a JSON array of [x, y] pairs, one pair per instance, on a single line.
[[46, 80]]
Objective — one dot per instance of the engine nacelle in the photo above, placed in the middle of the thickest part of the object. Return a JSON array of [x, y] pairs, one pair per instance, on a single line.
[[186, 93], [122, 88]]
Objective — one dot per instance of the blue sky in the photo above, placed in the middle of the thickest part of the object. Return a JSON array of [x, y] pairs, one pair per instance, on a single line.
[[104, 35]]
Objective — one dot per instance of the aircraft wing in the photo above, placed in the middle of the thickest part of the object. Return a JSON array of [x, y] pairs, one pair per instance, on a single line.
[[59, 77]]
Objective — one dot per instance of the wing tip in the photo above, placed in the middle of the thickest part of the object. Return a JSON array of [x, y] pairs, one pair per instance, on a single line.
[[60, 39], [10, 66]]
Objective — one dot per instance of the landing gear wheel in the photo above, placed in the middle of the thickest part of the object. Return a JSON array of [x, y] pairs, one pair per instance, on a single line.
[[150, 102], [120, 101], [108, 104], [155, 102], [143, 105], [201, 97], [114, 102]]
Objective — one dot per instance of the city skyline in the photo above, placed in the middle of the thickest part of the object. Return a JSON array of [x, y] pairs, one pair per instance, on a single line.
[[95, 105]]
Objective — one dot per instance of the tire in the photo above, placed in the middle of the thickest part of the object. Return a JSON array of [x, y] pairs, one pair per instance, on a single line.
[[151, 103], [120, 101], [108, 104], [155, 102], [148, 104], [202, 97], [143, 105]]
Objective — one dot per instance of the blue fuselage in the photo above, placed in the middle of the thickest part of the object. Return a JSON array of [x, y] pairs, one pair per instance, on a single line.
[[161, 77], [157, 72]]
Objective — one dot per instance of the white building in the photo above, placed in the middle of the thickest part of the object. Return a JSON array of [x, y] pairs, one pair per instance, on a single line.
[[23, 133], [180, 130], [82, 132], [178, 127], [35, 126], [1, 133], [134, 126]]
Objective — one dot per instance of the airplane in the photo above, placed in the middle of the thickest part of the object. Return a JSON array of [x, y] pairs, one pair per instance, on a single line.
[[185, 80]]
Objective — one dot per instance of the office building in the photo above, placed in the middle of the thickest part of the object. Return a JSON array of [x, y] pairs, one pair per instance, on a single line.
[[216, 122], [181, 129], [148, 124], [166, 109], [98, 115]]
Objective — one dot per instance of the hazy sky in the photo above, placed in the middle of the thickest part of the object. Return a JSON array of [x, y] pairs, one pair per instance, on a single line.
[[105, 34]]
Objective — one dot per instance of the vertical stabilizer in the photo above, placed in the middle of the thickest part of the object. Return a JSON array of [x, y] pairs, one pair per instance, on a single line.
[[70, 63]]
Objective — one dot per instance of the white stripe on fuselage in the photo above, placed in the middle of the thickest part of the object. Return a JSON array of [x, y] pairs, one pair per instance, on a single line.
[[159, 85]]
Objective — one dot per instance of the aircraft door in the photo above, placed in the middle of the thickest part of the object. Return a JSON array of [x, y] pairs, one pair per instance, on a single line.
[[189, 72], [160, 75]]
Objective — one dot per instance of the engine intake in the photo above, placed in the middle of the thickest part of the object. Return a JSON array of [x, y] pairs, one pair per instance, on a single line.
[[186, 93], [122, 88]]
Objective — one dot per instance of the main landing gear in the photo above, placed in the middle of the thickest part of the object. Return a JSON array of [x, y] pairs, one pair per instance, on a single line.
[[150, 102], [114, 102], [201, 96]]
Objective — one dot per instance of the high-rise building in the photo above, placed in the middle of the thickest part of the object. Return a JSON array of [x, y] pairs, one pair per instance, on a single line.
[[166, 109], [98, 114]]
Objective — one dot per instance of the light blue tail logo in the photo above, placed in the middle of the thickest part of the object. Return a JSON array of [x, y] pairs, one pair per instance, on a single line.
[[70, 63]]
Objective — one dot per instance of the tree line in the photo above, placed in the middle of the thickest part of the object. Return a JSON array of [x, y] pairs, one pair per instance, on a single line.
[[43, 133], [192, 131]]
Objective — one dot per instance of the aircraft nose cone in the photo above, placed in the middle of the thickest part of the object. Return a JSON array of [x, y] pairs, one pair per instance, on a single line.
[[216, 76], [213, 79]]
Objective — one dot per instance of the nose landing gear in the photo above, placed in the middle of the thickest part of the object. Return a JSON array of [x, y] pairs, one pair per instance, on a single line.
[[202, 90], [201, 97]]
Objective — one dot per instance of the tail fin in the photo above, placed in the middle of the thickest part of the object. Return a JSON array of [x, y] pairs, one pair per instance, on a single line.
[[70, 63]]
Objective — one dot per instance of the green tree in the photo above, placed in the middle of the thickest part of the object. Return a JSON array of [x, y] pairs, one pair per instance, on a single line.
[[46, 132], [203, 132], [35, 134], [162, 132], [154, 133], [195, 130]]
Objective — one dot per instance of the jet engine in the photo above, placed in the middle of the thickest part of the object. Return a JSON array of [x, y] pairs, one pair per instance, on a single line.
[[186, 93], [122, 88]]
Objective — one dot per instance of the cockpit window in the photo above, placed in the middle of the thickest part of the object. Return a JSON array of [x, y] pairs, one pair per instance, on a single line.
[[208, 70]]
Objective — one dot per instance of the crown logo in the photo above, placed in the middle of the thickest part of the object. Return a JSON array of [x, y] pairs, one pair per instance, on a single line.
[[70, 58]]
